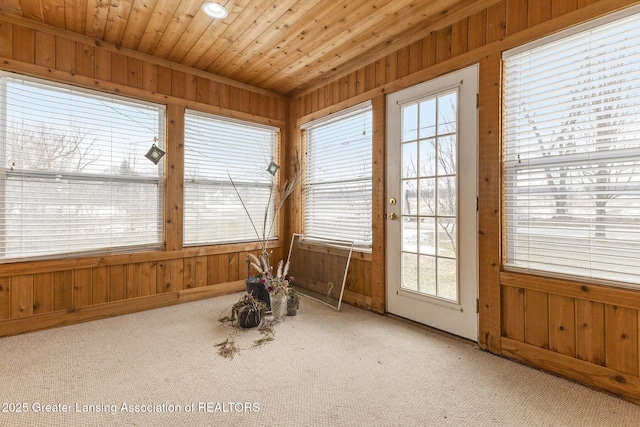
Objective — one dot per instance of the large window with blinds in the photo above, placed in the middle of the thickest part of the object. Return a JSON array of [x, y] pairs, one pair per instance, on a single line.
[[571, 153], [219, 151], [338, 176], [73, 173]]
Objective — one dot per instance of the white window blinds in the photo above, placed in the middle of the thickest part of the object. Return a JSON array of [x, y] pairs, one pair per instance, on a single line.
[[338, 176], [572, 153], [216, 149], [73, 172]]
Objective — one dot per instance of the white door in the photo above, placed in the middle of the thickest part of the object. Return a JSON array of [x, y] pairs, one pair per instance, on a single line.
[[432, 133]]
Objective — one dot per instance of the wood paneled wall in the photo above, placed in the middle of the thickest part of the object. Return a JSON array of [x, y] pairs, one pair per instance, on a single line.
[[582, 331], [41, 294]]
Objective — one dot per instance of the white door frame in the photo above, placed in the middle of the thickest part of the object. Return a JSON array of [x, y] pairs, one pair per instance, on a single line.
[[457, 317]]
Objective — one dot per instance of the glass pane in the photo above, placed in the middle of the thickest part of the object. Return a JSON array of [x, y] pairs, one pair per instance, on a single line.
[[428, 157], [409, 234], [447, 196], [447, 154], [410, 271], [427, 197], [447, 237], [410, 160], [410, 197], [428, 275], [410, 123], [447, 115], [447, 281], [427, 236], [428, 118]]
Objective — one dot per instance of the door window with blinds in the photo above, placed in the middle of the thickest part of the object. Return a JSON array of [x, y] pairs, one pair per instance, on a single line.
[[73, 173], [217, 151], [338, 176], [571, 153]]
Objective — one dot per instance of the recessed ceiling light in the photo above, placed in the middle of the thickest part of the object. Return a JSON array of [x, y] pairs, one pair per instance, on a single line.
[[214, 10]]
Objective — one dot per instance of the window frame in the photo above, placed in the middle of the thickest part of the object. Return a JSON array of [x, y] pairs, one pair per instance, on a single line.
[[591, 159], [7, 172], [364, 107]]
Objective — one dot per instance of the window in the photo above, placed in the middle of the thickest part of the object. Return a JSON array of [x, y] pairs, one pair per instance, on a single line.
[[338, 176], [217, 149], [73, 172], [572, 153]]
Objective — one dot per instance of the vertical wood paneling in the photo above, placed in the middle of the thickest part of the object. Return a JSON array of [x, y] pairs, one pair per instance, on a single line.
[[134, 278], [100, 285], [177, 274], [402, 65], [45, 49], [149, 77], [562, 329], [621, 339], [223, 268], [22, 296], [516, 15], [102, 64], [177, 83], [190, 87], [496, 22], [164, 277], [42, 293], [212, 270], [201, 271], [134, 73], [391, 67], [189, 272], [443, 49], [416, 53], [65, 55], [536, 318], [5, 297], [539, 11], [6, 40], [513, 313], [233, 267], [590, 332], [477, 31], [82, 286], [85, 60], [164, 80], [117, 282], [148, 278], [23, 44], [460, 37], [62, 290], [119, 68], [430, 47], [560, 7]]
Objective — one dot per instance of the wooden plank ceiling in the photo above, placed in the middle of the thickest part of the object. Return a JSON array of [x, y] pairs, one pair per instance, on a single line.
[[280, 45]]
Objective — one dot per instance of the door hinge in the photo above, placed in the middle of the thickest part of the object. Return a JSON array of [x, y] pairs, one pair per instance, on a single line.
[[477, 305], [477, 205], [477, 100]]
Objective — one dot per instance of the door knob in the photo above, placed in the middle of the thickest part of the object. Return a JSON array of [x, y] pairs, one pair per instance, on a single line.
[[392, 216]]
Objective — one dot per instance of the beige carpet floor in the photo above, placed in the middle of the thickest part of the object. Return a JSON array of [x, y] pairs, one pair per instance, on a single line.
[[324, 368]]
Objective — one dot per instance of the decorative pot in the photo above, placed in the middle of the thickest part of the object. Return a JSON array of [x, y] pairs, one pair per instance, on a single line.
[[292, 306], [278, 306], [249, 318], [256, 288]]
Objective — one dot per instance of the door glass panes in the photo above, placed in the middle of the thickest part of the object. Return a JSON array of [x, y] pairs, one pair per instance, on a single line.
[[430, 196]]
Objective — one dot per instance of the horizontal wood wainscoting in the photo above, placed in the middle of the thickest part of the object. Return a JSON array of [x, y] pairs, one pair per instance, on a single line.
[[585, 332], [58, 293]]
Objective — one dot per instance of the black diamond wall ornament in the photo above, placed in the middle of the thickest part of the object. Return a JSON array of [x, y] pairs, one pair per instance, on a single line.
[[273, 168], [154, 154]]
